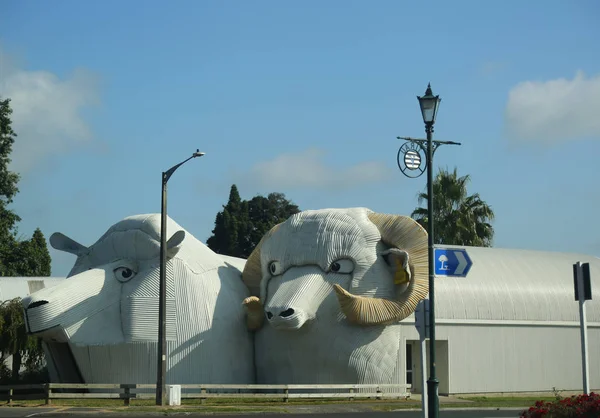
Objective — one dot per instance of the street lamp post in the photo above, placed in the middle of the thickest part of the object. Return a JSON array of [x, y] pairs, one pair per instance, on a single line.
[[412, 166], [162, 287]]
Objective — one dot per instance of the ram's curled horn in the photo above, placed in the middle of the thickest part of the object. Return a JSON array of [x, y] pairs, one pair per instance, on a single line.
[[406, 234], [252, 276]]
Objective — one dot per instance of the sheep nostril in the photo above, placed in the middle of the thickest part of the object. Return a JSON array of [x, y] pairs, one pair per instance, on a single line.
[[37, 303], [269, 315], [286, 313]]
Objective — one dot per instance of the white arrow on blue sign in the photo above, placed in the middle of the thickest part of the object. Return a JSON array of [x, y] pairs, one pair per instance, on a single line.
[[452, 262]]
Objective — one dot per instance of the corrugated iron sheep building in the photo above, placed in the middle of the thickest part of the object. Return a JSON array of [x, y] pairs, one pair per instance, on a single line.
[[510, 325]]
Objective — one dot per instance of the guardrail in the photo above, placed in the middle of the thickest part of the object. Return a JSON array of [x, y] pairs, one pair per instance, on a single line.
[[127, 392]]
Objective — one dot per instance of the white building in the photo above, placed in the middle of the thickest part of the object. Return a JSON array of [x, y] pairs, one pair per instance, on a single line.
[[510, 325], [13, 287]]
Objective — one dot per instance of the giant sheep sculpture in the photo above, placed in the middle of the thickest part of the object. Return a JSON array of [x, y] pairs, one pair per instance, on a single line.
[[328, 290], [106, 311]]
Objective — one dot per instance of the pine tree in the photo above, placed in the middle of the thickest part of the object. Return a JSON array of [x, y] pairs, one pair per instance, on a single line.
[[41, 255], [242, 223], [34, 258], [227, 223]]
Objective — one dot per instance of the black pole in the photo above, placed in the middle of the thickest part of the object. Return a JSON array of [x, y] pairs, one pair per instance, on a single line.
[[433, 382], [162, 300], [161, 366]]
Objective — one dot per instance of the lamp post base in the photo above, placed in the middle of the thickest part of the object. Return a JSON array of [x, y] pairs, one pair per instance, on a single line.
[[433, 406]]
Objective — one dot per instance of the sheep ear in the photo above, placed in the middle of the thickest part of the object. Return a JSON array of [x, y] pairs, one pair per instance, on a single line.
[[61, 242], [174, 243], [397, 260]]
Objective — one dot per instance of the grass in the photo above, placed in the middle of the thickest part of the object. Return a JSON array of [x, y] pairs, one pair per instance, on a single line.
[[211, 409], [277, 405], [215, 404]]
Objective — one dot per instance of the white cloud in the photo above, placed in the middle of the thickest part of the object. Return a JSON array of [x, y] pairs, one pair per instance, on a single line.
[[309, 169], [555, 110], [46, 111]]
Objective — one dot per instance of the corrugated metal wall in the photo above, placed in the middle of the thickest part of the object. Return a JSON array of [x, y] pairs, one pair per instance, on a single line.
[[512, 325], [519, 358], [512, 358]]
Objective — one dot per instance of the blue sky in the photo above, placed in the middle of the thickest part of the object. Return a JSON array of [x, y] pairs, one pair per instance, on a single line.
[[304, 98]]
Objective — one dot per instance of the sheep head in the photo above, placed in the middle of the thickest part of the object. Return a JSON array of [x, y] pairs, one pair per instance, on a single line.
[[375, 265]]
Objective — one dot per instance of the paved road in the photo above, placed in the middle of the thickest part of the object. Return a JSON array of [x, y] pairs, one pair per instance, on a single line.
[[19, 412]]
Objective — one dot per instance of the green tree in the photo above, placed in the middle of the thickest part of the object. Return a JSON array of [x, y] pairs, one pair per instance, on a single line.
[[14, 340], [263, 214], [30, 258], [8, 187], [17, 258], [242, 223], [228, 225], [39, 256], [460, 219]]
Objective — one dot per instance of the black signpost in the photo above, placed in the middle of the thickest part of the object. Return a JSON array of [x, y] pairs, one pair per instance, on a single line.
[[583, 286]]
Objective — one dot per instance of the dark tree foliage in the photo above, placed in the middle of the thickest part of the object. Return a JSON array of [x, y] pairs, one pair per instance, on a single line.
[[15, 342], [242, 223], [225, 238], [17, 258], [460, 218], [8, 187], [30, 258]]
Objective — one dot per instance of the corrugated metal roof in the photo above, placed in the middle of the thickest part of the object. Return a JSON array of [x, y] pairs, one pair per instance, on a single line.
[[13, 287], [521, 285]]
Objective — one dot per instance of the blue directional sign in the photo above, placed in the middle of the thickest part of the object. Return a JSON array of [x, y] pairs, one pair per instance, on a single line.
[[451, 262]]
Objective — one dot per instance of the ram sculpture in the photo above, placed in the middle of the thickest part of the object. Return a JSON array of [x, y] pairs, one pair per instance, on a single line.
[[328, 289], [101, 324]]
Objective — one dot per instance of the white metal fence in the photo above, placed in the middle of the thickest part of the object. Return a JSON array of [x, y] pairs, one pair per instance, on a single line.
[[127, 392]]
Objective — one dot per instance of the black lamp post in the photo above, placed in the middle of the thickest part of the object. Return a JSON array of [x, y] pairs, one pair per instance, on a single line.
[[162, 289], [412, 166]]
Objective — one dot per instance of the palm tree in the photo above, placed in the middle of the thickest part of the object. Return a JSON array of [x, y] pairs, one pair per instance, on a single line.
[[460, 219]]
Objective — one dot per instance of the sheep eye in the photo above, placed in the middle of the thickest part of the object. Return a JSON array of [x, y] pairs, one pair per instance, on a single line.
[[124, 274], [275, 268], [343, 266]]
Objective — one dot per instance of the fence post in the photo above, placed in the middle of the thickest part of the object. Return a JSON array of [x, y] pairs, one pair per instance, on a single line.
[[351, 394], [202, 400], [379, 393], [286, 392], [127, 394], [48, 392], [10, 396]]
